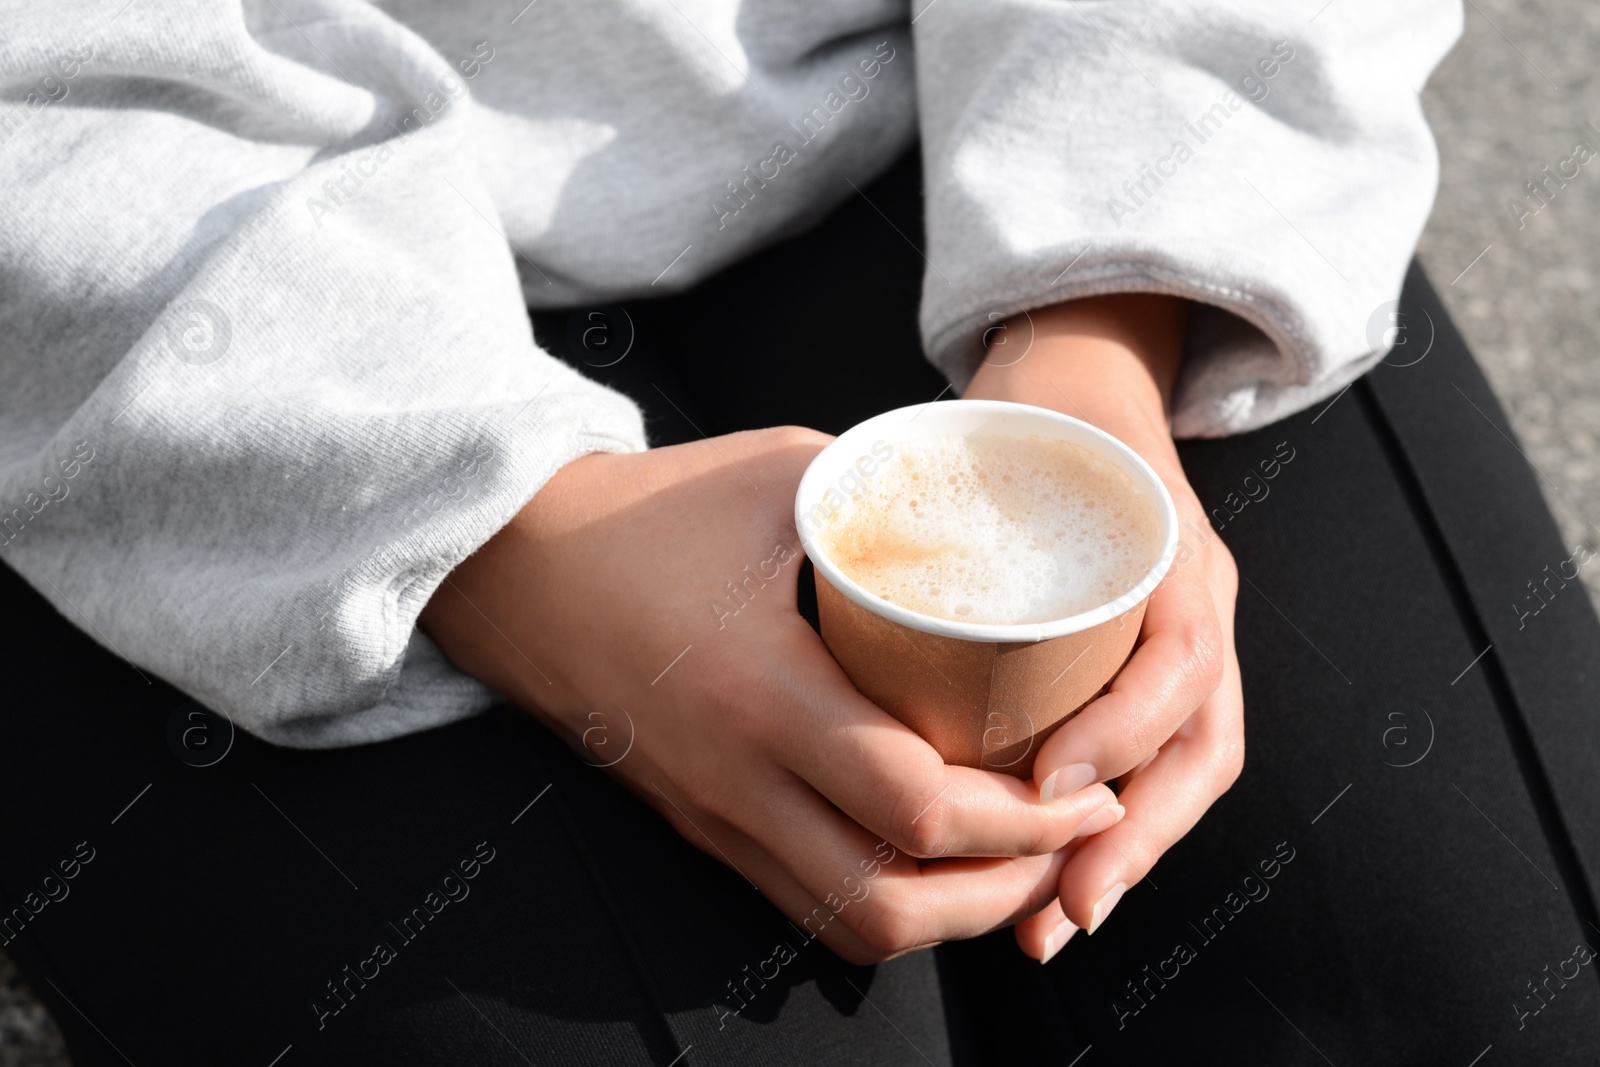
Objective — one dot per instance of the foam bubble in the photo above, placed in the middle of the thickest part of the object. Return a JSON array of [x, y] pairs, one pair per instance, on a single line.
[[995, 529]]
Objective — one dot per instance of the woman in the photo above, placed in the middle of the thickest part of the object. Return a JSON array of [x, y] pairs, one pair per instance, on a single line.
[[324, 480]]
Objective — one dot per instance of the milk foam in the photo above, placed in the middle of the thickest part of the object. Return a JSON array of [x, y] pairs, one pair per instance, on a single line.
[[994, 529]]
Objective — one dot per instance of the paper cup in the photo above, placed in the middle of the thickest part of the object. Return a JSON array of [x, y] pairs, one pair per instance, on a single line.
[[984, 695]]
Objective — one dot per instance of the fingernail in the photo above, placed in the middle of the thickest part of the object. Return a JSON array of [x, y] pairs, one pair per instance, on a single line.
[[1065, 781], [1107, 902], [1104, 819], [1058, 939]]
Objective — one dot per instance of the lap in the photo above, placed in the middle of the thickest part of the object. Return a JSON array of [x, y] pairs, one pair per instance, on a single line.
[[475, 893]]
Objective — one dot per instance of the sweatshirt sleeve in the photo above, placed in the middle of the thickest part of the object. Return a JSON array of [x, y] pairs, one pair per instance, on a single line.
[[266, 373], [1270, 161]]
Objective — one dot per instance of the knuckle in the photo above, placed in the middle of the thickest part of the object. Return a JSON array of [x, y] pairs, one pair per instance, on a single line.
[[854, 950], [673, 810], [889, 926], [1227, 565], [797, 437], [674, 819], [1227, 576], [700, 797], [1039, 841], [1203, 656], [737, 697], [1141, 733], [1231, 760], [920, 824]]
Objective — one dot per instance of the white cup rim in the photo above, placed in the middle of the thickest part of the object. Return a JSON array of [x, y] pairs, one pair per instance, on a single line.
[[934, 420]]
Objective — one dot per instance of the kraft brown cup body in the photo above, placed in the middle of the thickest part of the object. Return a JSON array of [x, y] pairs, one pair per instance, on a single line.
[[983, 696], [978, 703]]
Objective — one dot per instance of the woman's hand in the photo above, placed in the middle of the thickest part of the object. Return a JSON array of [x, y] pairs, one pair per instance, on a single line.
[[651, 598], [1171, 728]]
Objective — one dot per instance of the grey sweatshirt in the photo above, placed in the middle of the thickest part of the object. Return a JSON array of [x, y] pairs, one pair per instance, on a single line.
[[266, 370]]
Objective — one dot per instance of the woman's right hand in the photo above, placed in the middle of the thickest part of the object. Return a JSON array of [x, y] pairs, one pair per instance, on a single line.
[[653, 596]]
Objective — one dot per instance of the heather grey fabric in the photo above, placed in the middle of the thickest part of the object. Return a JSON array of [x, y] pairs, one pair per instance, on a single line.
[[266, 373]]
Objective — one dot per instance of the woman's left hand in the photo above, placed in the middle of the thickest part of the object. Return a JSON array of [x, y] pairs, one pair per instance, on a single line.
[[1171, 728]]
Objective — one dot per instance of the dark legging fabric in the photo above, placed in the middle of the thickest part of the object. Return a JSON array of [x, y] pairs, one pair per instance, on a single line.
[[1403, 874]]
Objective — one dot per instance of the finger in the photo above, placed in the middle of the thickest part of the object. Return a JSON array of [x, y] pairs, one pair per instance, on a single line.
[[813, 919], [892, 902], [901, 903], [1045, 932], [965, 898], [1163, 801], [1042, 935], [884, 776], [1178, 664]]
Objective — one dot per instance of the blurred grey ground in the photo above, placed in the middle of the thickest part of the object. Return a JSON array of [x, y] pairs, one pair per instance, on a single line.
[[1514, 96]]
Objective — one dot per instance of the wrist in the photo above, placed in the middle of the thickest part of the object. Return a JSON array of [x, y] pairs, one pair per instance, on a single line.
[[1111, 361], [474, 615]]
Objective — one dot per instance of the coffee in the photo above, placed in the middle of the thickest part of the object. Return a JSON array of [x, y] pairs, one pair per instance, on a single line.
[[997, 529]]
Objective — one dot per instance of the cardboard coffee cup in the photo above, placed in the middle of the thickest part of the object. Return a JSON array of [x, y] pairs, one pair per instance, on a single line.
[[982, 694]]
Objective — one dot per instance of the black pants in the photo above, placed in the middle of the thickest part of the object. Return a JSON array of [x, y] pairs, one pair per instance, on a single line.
[[1404, 874]]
